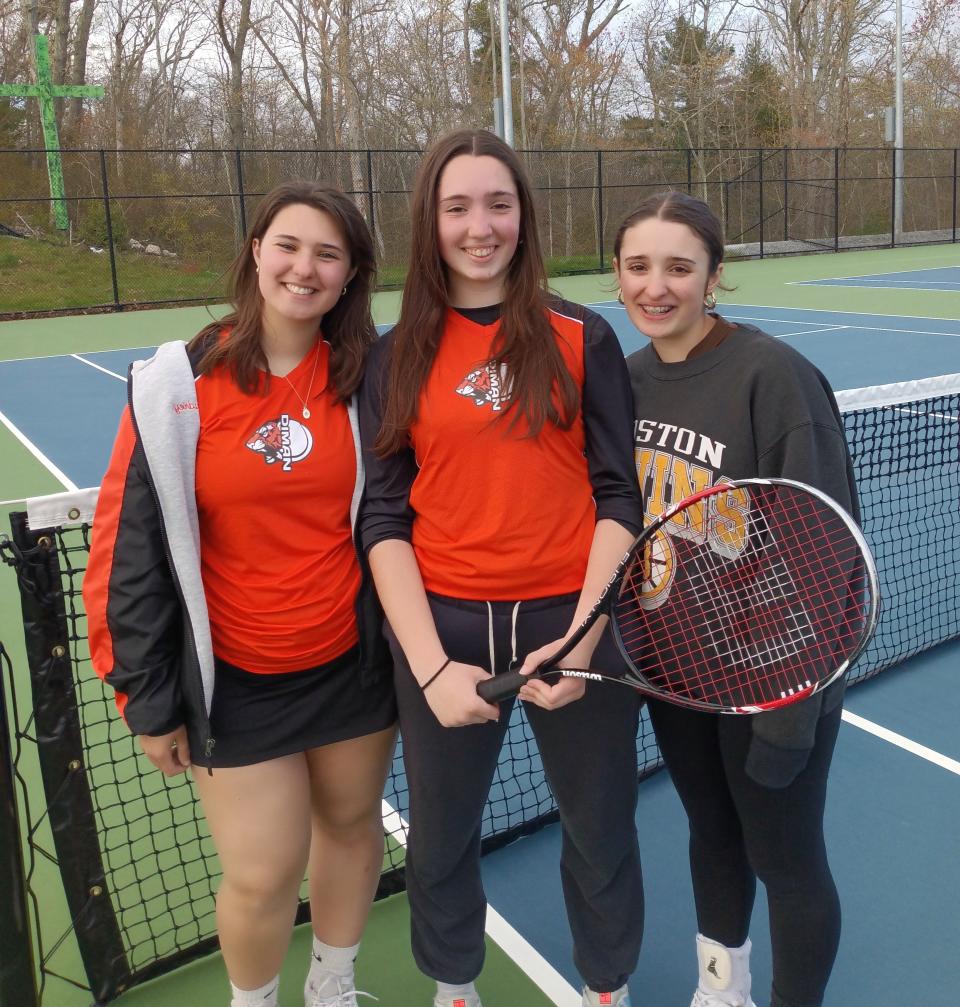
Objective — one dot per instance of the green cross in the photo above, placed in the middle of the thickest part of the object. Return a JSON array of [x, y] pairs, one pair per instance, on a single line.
[[46, 91]]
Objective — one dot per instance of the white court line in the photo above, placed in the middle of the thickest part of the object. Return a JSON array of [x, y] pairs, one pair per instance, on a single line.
[[915, 748], [10, 503], [527, 957], [813, 332], [55, 356], [867, 328], [90, 363], [892, 272], [840, 281], [757, 318], [725, 307], [38, 454], [837, 311]]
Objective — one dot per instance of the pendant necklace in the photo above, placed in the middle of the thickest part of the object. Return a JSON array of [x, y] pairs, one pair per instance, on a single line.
[[303, 401]]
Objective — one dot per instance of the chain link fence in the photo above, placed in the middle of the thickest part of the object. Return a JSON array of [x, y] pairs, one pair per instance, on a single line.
[[161, 226]]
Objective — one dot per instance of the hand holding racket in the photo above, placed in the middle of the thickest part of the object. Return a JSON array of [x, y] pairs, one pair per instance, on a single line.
[[740, 598]]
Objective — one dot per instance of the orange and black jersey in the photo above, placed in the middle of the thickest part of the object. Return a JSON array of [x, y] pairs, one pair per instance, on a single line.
[[274, 489], [492, 513]]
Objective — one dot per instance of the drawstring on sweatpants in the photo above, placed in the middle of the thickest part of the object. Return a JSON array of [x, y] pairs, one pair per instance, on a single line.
[[491, 643]]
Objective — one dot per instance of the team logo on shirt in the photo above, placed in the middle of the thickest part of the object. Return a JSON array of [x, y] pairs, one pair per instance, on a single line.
[[487, 386], [659, 565], [281, 440]]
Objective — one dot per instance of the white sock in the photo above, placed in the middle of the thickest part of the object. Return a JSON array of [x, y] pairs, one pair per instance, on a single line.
[[328, 961], [724, 972], [454, 990], [265, 996]]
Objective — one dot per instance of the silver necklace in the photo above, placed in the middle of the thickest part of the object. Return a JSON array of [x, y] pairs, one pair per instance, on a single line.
[[303, 401]]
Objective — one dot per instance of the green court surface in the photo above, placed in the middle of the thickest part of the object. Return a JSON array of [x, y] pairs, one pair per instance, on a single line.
[[385, 968], [767, 281]]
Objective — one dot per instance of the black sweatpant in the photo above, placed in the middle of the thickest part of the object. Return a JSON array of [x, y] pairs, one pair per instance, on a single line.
[[741, 831], [589, 757]]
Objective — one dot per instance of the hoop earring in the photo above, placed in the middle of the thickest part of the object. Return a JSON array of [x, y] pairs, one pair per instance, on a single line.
[[343, 293], [619, 295], [257, 267], [710, 301]]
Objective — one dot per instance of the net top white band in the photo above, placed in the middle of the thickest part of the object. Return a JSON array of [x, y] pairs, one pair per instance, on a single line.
[[898, 392], [61, 509]]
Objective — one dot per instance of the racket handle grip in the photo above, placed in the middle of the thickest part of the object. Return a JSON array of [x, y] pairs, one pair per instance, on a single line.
[[500, 687]]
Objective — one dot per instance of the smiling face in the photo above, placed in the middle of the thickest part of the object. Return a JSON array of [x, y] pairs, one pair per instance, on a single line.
[[664, 274], [304, 264], [478, 227]]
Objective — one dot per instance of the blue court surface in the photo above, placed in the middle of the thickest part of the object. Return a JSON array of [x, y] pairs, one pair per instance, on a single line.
[[894, 807], [943, 278], [84, 393]]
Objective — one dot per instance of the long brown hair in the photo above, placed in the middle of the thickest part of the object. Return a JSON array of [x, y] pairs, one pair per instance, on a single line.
[[347, 326], [543, 390]]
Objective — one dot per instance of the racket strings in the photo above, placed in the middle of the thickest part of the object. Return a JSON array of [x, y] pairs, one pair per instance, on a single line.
[[755, 624]]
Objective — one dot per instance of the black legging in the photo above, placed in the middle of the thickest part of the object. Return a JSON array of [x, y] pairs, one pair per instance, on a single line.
[[741, 831]]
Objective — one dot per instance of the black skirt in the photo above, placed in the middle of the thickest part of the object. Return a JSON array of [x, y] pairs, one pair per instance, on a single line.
[[258, 717]]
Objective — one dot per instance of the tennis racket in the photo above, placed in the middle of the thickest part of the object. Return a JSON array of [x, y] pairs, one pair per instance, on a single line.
[[740, 598]]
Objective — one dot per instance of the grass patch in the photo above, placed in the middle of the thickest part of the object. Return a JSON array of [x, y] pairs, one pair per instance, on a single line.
[[48, 276], [52, 276]]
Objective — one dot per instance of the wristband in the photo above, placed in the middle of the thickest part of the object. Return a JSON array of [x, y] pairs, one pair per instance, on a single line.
[[435, 675]]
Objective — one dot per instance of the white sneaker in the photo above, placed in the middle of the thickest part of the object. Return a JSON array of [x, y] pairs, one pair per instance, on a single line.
[[701, 999], [618, 998], [460, 1000], [344, 995]]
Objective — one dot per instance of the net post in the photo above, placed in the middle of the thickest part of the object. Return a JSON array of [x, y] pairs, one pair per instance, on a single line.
[[61, 755], [18, 978]]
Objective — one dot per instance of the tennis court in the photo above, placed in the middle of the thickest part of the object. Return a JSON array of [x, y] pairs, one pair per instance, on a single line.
[[894, 810]]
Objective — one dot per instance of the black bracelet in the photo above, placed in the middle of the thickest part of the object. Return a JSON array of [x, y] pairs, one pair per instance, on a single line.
[[435, 675]]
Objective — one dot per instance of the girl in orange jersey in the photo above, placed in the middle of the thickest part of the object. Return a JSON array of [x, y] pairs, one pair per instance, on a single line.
[[227, 603], [496, 422]]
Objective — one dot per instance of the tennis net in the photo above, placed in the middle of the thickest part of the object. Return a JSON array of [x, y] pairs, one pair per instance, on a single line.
[[133, 852]]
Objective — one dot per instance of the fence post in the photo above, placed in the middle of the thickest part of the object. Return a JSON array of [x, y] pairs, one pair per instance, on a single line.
[[109, 222], [760, 182], [243, 208], [600, 206], [372, 215], [956, 151], [893, 197], [18, 982], [786, 194], [836, 199]]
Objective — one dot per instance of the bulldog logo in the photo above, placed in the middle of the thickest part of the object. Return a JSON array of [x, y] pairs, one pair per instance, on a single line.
[[281, 440]]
